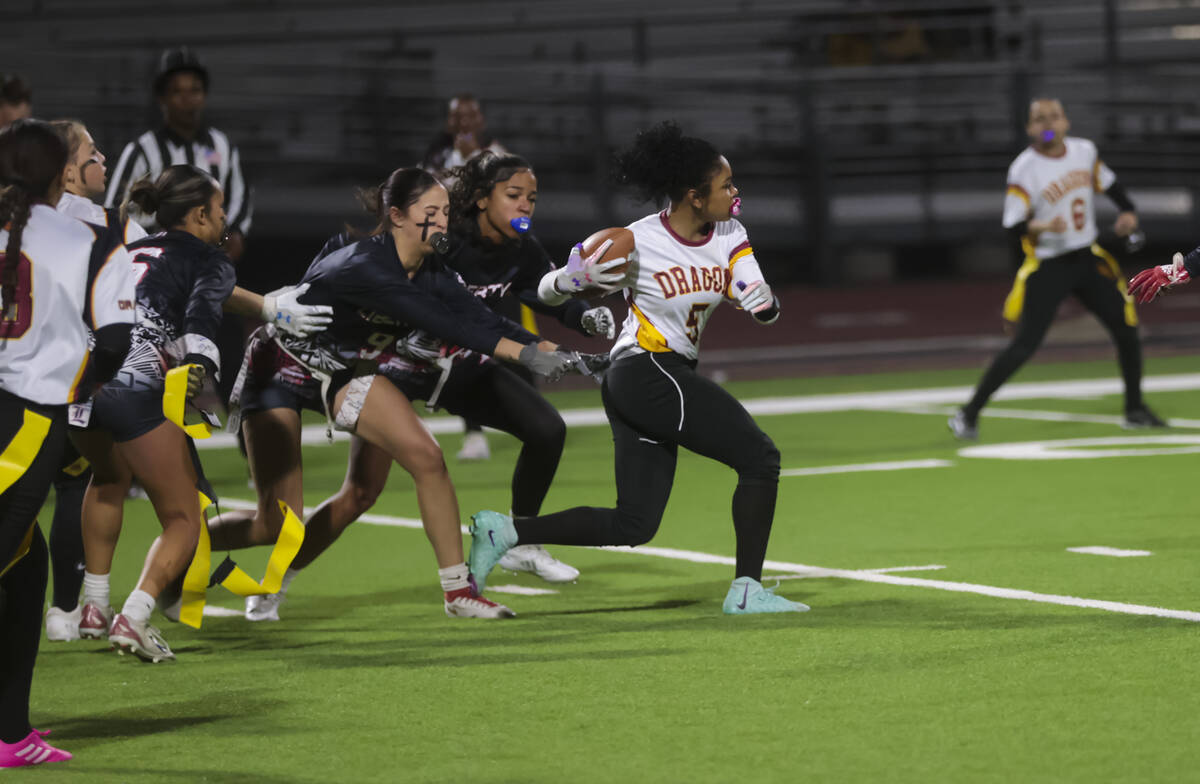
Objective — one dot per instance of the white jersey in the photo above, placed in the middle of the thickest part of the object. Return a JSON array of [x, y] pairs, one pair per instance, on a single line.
[[679, 284], [44, 331], [89, 211], [1041, 188]]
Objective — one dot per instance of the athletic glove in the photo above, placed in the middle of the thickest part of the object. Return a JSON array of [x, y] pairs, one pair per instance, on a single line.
[[755, 296], [551, 365], [581, 274], [599, 321], [282, 308], [1146, 285]]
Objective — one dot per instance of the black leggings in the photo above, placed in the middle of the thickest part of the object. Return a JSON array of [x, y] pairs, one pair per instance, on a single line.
[[494, 396], [655, 404], [66, 537], [23, 586], [1091, 280]]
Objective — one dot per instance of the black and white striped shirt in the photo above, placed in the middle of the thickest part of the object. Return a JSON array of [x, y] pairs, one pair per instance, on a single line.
[[211, 151]]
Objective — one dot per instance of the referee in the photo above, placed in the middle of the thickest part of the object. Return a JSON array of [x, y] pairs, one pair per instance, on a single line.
[[181, 88]]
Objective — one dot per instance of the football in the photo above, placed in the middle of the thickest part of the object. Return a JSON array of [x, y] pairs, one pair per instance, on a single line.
[[621, 248]]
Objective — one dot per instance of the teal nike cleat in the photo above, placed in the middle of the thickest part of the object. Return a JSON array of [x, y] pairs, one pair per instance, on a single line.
[[748, 595], [492, 534]]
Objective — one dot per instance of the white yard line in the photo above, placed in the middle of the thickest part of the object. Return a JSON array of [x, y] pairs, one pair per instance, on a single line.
[[811, 404], [861, 575], [899, 465], [1043, 416], [1114, 552]]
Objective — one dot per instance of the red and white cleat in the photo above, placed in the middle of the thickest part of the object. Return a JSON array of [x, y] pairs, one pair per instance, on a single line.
[[31, 750], [94, 621], [140, 639], [470, 603]]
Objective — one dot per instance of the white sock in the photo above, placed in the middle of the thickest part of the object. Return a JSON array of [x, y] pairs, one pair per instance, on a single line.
[[138, 606], [95, 589], [288, 576], [454, 578]]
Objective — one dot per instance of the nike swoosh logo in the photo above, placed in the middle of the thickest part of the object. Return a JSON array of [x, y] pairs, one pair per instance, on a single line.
[[492, 537], [745, 595]]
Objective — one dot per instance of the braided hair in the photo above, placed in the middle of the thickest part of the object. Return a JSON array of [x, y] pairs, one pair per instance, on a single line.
[[32, 158], [475, 180], [663, 164]]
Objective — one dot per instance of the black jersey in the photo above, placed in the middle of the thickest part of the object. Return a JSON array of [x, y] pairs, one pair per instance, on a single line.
[[375, 303], [183, 283], [491, 271]]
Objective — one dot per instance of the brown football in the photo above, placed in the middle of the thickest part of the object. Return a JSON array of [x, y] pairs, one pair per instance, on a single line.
[[622, 246]]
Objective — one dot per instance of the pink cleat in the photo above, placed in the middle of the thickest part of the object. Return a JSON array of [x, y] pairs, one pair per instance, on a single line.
[[94, 621], [32, 750]]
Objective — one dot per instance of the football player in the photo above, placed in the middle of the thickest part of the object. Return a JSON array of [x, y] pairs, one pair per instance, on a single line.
[[46, 366], [1049, 210], [691, 256]]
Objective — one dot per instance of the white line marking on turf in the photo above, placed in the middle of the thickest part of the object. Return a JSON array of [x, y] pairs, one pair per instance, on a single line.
[[520, 589], [898, 465], [1042, 416], [1079, 448], [927, 568], [1112, 551], [846, 574], [221, 612], [812, 404]]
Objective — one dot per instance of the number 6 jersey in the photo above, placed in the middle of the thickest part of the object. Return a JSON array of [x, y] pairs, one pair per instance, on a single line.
[[679, 284], [1041, 187], [71, 277]]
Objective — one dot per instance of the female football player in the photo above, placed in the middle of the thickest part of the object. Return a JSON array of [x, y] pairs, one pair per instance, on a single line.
[[46, 366], [691, 256], [384, 289], [185, 279], [491, 206]]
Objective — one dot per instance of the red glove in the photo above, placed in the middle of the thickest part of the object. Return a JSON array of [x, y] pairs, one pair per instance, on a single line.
[[1146, 284]]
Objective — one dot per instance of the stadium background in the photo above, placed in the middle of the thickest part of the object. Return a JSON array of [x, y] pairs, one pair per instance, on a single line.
[[869, 139]]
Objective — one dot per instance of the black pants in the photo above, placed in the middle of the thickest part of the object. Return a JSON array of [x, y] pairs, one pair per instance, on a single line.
[[23, 585], [494, 396], [656, 403], [66, 536], [1095, 283]]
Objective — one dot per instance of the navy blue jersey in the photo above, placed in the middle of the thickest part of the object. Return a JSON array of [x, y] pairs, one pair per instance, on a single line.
[[492, 271], [183, 283], [375, 302]]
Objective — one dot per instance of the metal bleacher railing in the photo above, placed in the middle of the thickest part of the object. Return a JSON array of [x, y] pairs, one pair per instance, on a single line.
[[847, 123]]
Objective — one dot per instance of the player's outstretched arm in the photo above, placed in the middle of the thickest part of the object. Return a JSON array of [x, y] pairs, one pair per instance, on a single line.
[[582, 274], [1147, 284]]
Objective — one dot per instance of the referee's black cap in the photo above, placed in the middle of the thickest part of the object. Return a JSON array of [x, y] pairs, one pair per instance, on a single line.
[[172, 61]]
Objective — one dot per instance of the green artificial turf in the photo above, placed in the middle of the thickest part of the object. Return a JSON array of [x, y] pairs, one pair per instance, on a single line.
[[633, 674]]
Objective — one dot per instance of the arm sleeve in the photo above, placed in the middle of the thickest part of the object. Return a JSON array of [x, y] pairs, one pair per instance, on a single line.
[[112, 285], [202, 317], [1192, 262], [1120, 197], [112, 344], [130, 168], [240, 197], [446, 315]]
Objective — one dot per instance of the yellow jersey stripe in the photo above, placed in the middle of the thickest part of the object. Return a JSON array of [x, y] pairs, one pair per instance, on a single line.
[[15, 461], [648, 335], [1019, 192]]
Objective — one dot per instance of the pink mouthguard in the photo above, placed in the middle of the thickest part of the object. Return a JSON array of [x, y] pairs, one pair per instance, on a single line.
[[736, 209]]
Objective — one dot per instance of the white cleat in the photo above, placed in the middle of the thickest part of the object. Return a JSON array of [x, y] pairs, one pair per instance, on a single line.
[[475, 447], [63, 626], [469, 603], [534, 558], [264, 607]]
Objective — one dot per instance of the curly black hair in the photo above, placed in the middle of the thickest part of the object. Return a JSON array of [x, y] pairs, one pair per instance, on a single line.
[[475, 180], [663, 164]]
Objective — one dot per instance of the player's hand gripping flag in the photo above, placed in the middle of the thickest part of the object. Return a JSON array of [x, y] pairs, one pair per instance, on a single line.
[[1146, 285]]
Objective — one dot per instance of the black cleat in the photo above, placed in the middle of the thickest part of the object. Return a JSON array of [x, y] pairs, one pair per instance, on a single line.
[[963, 428], [1140, 418]]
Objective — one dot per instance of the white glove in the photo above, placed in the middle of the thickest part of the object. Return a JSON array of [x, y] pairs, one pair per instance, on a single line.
[[754, 297], [599, 321], [581, 273], [281, 308]]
